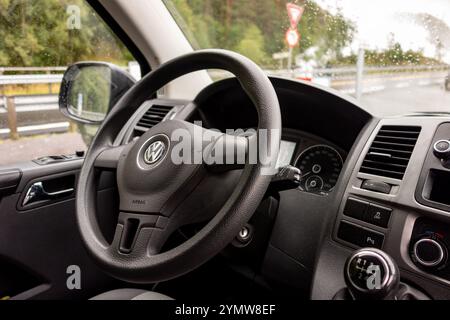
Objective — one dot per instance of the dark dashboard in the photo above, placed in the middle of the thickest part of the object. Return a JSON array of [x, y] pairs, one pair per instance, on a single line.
[[347, 156], [309, 143], [319, 131], [304, 107]]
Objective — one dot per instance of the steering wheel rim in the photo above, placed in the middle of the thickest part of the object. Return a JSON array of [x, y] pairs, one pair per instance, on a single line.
[[237, 210]]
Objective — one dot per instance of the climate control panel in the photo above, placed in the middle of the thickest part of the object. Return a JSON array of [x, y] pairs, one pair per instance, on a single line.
[[429, 245]]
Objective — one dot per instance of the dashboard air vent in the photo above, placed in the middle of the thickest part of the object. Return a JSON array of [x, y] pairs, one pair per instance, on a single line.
[[154, 115], [390, 152]]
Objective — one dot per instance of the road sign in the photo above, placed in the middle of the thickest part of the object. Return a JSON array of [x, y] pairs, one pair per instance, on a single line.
[[292, 37], [295, 13]]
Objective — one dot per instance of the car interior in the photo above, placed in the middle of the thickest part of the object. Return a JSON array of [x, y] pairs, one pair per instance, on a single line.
[[351, 188]]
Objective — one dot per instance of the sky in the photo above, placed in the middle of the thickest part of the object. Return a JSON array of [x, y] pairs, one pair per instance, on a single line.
[[376, 19]]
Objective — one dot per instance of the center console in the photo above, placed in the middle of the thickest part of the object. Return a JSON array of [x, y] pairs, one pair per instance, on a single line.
[[433, 188], [397, 199]]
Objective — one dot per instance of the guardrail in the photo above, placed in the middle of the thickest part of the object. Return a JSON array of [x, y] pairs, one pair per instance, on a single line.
[[374, 78], [18, 108], [32, 69], [30, 79], [29, 103], [28, 115]]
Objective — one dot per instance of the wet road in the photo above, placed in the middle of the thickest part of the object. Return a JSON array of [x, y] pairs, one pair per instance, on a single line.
[[392, 102]]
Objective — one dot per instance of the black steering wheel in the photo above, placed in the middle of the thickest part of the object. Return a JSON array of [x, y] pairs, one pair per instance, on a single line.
[[157, 196]]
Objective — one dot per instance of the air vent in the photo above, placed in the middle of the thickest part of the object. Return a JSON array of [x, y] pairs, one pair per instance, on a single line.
[[390, 152], [154, 115]]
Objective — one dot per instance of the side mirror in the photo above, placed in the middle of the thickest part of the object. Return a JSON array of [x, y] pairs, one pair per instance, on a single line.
[[90, 89]]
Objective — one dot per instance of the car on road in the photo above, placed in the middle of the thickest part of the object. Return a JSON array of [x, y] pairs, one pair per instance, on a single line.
[[168, 149]]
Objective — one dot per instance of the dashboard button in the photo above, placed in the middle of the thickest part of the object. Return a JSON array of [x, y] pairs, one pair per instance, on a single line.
[[355, 208], [349, 233], [372, 239], [359, 236], [376, 186], [378, 216]]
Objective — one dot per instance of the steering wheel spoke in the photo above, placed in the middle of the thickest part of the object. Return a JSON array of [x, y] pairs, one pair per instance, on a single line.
[[140, 234], [109, 157], [229, 152]]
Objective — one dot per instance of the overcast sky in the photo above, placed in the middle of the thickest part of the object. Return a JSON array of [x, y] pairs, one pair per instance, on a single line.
[[376, 19]]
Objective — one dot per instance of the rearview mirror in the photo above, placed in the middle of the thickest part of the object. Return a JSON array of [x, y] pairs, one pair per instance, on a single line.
[[90, 89]]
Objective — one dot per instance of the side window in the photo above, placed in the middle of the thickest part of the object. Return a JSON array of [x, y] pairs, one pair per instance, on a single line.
[[38, 40]]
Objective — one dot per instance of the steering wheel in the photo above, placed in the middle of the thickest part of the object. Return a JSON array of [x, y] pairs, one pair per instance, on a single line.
[[158, 196]]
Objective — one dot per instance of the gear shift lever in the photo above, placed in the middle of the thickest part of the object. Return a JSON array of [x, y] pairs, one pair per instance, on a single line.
[[371, 274]]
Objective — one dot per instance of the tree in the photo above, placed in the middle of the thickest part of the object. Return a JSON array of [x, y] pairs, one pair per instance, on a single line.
[[394, 55], [230, 24], [438, 31], [35, 33], [252, 45]]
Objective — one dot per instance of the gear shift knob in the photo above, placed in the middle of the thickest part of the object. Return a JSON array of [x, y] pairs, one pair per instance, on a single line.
[[371, 274]]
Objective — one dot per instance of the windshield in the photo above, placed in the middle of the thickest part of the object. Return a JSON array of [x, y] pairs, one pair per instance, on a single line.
[[391, 55]]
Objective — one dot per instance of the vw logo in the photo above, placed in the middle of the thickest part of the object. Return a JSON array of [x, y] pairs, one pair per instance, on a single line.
[[154, 152]]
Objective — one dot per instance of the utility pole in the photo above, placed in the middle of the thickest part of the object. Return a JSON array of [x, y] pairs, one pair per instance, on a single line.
[[289, 63], [359, 73]]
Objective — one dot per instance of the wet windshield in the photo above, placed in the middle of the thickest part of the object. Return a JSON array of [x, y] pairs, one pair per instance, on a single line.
[[391, 55]]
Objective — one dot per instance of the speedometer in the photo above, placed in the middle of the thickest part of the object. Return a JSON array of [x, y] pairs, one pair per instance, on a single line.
[[320, 166]]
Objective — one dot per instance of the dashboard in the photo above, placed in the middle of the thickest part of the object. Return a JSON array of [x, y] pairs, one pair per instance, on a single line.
[[309, 139], [319, 131], [384, 167]]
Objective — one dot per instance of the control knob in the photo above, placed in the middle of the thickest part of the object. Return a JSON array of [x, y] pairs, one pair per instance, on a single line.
[[441, 149], [429, 253]]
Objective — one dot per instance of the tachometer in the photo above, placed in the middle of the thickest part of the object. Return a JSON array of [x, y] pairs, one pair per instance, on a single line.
[[320, 166]]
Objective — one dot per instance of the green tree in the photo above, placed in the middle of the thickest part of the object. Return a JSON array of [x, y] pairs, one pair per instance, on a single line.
[[35, 33], [257, 27], [252, 45]]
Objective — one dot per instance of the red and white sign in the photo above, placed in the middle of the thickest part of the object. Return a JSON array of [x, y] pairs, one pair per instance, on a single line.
[[295, 13], [292, 37]]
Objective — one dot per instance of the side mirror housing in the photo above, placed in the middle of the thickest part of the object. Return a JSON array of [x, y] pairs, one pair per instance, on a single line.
[[90, 89]]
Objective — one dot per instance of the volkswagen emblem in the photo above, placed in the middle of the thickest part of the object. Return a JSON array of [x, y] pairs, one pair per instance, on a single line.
[[154, 152]]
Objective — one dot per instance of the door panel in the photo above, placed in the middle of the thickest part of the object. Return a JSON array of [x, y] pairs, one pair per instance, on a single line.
[[39, 237], [39, 244], [9, 180]]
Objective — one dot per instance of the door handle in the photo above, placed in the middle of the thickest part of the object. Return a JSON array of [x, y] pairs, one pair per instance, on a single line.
[[37, 193]]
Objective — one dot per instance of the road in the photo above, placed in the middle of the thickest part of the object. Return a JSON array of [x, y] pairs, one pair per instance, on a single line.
[[391, 102]]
